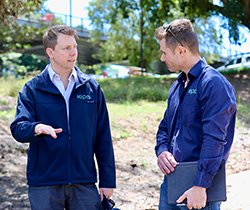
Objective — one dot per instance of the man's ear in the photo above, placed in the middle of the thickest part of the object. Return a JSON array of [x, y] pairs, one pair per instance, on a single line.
[[50, 52], [181, 50]]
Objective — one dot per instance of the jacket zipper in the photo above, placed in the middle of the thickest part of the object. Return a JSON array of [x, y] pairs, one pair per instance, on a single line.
[[69, 147], [69, 143], [69, 140]]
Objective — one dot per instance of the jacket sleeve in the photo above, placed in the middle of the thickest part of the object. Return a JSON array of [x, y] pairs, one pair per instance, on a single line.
[[104, 146], [22, 128], [162, 137], [218, 107]]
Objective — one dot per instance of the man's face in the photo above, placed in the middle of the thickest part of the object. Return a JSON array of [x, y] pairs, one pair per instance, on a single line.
[[169, 57], [64, 56]]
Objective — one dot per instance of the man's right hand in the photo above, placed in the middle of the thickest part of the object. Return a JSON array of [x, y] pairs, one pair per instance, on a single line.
[[166, 162], [47, 129]]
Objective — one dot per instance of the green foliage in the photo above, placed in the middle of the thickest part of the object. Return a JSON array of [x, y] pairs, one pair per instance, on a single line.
[[235, 13], [11, 9], [17, 36], [135, 89], [94, 69], [125, 19], [124, 36], [209, 39], [9, 67], [21, 64], [31, 62], [13, 35]]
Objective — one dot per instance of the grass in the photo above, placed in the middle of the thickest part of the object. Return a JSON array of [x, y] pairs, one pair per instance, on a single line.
[[135, 89], [8, 115], [243, 116], [134, 96], [126, 110], [3, 102], [11, 86], [234, 71], [115, 90], [128, 119]]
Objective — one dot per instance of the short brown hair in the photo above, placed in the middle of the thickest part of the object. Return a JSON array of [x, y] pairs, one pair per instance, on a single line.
[[50, 36], [184, 30]]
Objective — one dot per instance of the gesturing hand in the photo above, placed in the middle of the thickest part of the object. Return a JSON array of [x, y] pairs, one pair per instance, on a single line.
[[47, 129], [166, 162]]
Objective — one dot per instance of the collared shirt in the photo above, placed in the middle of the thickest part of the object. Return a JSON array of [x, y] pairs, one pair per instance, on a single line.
[[55, 78], [199, 122]]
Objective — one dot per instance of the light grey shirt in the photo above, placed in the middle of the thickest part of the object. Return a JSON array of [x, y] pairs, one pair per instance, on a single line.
[[55, 78]]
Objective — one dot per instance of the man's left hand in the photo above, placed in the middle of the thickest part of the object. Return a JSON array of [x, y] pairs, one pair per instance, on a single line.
[[107, 192], [196, 197]]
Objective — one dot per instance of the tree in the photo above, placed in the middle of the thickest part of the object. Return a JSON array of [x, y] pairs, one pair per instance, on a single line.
[[14, 36], [235, 12], [10, 9], [125, 19]]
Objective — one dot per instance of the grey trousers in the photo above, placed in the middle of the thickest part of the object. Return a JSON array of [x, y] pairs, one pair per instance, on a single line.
[[69, 197]]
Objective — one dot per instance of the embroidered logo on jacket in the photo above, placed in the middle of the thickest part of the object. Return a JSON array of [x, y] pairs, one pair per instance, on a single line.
[[192, 91], [83, 97]]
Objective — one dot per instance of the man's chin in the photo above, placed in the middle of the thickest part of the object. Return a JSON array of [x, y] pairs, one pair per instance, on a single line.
[[71, 65]]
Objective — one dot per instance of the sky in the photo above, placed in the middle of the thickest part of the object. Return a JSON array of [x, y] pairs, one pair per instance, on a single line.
[[243, 48], [79, 10], [78, 7]]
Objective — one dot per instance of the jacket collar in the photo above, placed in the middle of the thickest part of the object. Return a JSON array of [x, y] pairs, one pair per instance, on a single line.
[[44, 82], [82, 78]]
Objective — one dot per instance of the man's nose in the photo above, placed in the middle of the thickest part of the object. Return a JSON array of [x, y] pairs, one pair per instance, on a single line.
[[73, 51]]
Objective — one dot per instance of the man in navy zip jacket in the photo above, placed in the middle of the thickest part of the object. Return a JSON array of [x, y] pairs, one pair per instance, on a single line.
[[62, 114], [199, 122]]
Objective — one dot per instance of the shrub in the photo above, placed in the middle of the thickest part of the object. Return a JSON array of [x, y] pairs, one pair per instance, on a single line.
[[135, 89]]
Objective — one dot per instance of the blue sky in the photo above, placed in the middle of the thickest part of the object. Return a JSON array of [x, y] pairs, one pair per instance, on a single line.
[[79, 10]]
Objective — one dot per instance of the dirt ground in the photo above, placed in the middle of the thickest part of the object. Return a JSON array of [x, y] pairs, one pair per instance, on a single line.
[[138, 177]]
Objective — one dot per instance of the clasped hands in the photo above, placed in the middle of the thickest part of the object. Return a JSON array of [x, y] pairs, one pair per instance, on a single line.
[[196, 196]]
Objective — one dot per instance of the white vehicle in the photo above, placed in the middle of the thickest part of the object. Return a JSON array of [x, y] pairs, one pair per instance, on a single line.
[[234, 64]]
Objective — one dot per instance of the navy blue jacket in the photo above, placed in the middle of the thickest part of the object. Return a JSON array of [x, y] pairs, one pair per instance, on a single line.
[[69, 159], [199, 121]]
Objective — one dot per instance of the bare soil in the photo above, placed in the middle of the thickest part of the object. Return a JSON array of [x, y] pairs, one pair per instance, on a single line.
[[138, 177]]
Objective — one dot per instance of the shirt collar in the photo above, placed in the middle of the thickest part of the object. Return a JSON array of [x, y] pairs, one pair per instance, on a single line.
[[53, 74], [73, 75], [195, 71]]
